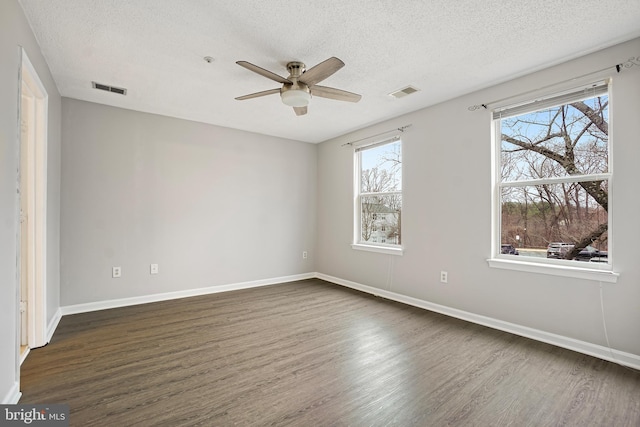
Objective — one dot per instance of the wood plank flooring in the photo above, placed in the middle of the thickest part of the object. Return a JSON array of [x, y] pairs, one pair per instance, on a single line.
[[311, 353]]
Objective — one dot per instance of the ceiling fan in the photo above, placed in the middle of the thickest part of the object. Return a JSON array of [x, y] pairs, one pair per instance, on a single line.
[[301, 85]]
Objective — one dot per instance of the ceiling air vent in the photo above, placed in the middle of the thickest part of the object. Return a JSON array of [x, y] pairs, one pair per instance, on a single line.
[[404, 92], [108, 88]]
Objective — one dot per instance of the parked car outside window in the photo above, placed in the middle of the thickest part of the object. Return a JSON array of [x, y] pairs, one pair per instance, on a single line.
[[558, 249], [509, 249], [589, 253], [592, 254]]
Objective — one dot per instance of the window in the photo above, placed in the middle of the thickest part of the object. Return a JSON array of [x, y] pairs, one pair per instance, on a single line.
[[553, 175], [378, 190]]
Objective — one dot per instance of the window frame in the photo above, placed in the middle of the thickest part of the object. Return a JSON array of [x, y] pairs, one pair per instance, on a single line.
[[357, 243], [602, 272]]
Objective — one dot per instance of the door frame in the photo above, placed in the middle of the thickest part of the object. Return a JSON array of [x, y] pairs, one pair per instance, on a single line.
[[31, 87]]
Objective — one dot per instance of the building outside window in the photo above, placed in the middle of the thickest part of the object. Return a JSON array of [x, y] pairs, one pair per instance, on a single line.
[[379, 194]]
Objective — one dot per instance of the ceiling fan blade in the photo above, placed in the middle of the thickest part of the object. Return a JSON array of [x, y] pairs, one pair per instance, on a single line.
[[258, 94], [266, 73], [300, 111], [333, 93], [319, 72]]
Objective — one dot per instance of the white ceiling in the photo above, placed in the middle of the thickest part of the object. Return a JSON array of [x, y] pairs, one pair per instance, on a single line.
[[446, 48]]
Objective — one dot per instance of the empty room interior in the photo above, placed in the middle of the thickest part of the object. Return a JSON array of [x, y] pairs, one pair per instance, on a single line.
[[336, 213]]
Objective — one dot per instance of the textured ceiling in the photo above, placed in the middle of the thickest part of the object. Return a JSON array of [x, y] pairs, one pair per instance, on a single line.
[[446, 48]]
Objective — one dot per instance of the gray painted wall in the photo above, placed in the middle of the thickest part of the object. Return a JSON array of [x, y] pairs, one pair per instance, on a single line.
[[212, 206], [15, 32], [447, 216]]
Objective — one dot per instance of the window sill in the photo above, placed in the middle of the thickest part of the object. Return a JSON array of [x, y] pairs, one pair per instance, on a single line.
[[380, 249], [597, 275]]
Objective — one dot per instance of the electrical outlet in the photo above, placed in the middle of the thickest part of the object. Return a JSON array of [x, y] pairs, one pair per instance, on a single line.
[[116, 272], [305, 255], [154, 269], [444, 276]]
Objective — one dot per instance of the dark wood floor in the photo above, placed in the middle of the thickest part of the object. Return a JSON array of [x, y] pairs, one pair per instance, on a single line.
[[315, 354]]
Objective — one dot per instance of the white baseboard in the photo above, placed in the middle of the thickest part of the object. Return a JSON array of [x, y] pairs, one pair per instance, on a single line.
[[13, 396], [24, 354], [605, 353], [53, 324], [615, 356], [124, 302]]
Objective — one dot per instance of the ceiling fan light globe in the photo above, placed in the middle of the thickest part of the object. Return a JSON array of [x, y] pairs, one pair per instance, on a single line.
[[296, 98]]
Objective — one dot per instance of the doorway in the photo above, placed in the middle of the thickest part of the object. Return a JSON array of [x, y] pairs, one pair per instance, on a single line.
[[33, 212]]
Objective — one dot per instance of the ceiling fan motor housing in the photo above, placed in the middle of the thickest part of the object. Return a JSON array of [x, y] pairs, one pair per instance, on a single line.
[[295, 69]]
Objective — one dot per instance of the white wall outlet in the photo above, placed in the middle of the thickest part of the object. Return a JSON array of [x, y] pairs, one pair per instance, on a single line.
[[305, 255], [154, 269], [444, 276], [116, 272]]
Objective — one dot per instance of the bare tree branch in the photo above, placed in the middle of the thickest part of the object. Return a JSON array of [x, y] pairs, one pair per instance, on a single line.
[[537, 148], [593, 116]]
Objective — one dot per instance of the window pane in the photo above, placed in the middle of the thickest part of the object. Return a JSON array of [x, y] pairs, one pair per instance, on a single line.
[[567, 140], [381, 218], [381, 169], [552, 220]]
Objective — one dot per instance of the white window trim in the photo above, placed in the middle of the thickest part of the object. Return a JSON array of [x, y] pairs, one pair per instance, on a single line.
[[563, 268], [597, 274], [364, 246], [380, 248]]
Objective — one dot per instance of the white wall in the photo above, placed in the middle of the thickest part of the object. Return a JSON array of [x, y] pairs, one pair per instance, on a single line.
[[212, 206], [447, 216], [15, 32]]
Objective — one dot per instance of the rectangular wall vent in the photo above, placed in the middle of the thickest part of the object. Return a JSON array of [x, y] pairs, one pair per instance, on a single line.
[[108, 88], [404, 92]]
